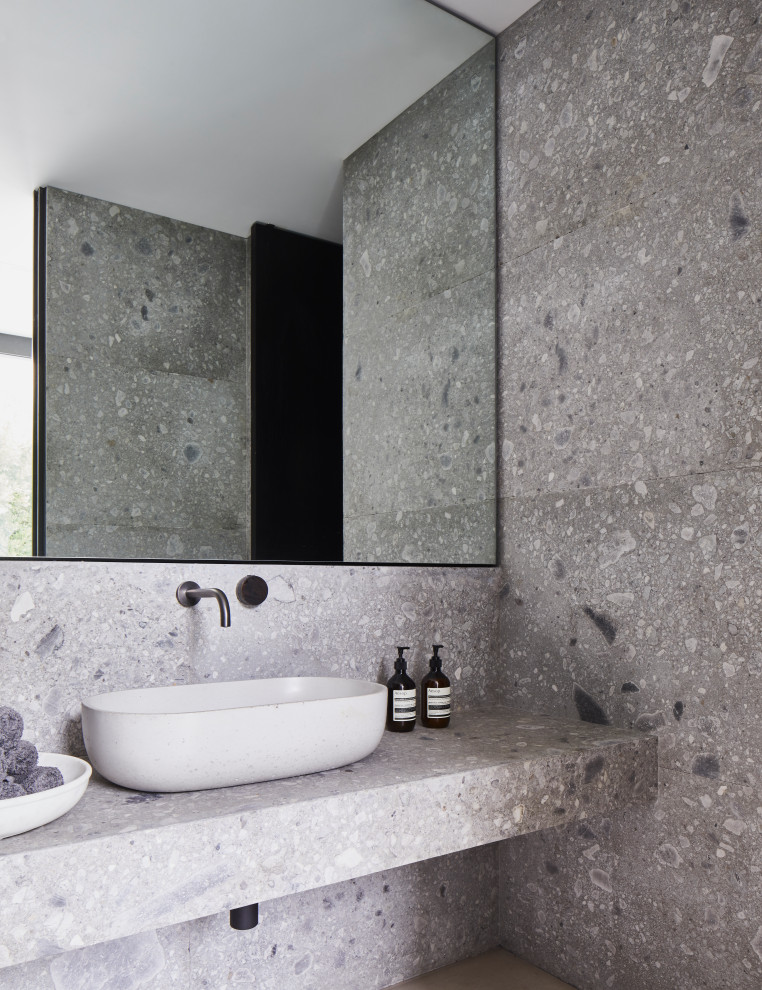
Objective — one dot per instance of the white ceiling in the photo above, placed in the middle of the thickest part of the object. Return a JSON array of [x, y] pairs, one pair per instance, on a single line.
[[216, 112], [492, 15]]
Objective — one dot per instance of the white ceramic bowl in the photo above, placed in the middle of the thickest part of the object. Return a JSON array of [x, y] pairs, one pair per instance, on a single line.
[[20, 814], [195, 736]]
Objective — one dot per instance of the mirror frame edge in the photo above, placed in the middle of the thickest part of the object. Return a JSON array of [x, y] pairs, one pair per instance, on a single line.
[[38, 457]]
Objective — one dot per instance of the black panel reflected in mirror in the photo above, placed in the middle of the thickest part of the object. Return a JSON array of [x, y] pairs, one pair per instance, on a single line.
[[296, 479]]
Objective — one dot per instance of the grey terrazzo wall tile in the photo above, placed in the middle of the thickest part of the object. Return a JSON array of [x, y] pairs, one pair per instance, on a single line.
[[463, 532], [71, 629], [374, 932], [148, 961], [655, 897], [119, 493], [79, 628], [146, 393], [631, 347], [602, 104], [629, 208], [648, 597], [430, 174], [370, 932], [419, 317], [442, 415]]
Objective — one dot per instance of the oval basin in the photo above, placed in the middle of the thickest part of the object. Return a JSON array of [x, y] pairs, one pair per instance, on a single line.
[[196, 736]]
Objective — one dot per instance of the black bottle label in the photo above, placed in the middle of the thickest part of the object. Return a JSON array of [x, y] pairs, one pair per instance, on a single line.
[[438, 702], [403, 705]]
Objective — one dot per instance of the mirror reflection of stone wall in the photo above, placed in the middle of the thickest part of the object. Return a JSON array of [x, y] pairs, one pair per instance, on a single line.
[[148, 441], [147, 406], [419, 329]]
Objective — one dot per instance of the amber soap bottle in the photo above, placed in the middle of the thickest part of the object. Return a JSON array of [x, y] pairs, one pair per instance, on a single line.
[[401, 702], [435, 694]]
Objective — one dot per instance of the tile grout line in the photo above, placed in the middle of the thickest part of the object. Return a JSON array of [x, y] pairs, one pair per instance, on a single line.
[[752, 152], [654, 480]]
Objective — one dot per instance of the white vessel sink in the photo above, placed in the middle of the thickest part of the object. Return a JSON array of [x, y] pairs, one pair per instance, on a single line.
[[196, 736]]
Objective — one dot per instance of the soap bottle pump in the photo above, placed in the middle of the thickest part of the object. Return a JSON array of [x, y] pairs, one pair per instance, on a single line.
[[400, 705], [435, 694]]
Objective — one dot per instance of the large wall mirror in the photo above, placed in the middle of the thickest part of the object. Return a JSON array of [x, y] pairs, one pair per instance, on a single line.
[[152, 298]]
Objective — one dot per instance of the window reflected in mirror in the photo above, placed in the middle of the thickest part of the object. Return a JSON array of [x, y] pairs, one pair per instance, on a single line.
[[16, 404]]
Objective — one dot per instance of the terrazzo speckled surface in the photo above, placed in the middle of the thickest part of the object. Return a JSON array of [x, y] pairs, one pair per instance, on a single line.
[[369, 932], [602, 104], [457, 531], [649, 597], [633, 351], [629, 217], [373, 931], [72, 629], [643, 608], [149, 961], [149, 861], [684, 873], [419, 312], [146, 390], [431, 172]]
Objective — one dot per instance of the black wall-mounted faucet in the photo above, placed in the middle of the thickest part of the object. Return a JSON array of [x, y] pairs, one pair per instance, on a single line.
[[190, 594]]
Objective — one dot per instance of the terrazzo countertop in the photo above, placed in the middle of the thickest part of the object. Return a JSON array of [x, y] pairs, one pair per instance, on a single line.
[[122, 862]]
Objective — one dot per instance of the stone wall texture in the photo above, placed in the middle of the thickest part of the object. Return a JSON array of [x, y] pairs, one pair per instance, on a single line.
[[630, 203], [371, 932], [147, 406], [419, 329], [630, 309], [69, 629]]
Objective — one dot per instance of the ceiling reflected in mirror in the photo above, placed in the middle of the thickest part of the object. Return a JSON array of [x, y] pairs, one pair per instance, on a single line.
[[185, 138], [188, 110]]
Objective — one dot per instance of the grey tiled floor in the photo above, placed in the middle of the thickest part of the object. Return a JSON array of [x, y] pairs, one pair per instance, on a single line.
[[495, 970]]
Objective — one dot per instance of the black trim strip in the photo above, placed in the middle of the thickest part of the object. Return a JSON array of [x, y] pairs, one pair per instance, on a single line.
[[496, 346], [38, 353], [200, 562]]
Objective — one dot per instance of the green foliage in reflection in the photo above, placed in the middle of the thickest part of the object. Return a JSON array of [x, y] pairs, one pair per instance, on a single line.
[[15, 498]]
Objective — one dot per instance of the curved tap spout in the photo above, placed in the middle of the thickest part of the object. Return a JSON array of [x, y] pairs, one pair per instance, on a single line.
[[190, 594]]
